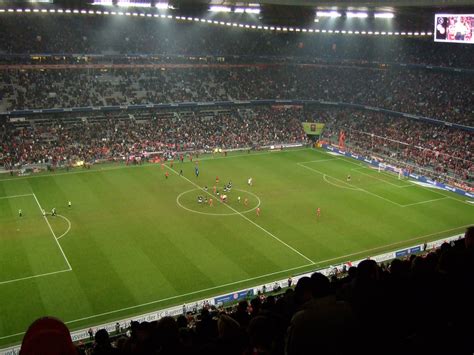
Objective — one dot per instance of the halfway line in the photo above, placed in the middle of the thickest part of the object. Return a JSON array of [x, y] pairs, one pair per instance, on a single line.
[[245, 217], [54, 235]]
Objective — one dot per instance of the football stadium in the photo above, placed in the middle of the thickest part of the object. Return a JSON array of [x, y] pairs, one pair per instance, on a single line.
[[225, 177]]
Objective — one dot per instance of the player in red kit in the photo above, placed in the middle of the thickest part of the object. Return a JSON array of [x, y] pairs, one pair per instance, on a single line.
[[167, 174], [210, 202], [318, 212], [217, 179]]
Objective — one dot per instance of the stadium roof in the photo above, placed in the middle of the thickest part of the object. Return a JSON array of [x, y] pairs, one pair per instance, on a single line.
[[343, 3]]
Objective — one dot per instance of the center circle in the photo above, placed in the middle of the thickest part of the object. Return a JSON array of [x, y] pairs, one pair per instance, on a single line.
[[232, 213]]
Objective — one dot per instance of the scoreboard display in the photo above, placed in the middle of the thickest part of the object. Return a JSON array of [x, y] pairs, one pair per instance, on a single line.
[[313, 128], [454, 28]]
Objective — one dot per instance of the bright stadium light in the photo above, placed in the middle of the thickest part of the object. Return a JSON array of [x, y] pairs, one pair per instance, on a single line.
[[162, 5], [357, 14], [252, 10], [103, 2], [384, 15], [247, 10], [218, 8], [328, 14]]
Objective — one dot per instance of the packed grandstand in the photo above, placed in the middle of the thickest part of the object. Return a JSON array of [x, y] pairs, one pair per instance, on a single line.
[[405, 101]]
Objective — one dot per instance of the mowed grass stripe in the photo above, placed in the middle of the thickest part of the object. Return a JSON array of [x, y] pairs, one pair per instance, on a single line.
[[133, 249], [25, 241]]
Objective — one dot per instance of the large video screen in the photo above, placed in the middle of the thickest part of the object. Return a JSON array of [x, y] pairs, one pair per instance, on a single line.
[[454, 28]]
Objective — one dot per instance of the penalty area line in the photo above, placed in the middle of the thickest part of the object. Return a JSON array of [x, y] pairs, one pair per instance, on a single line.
[[33, 277], [14, 196], [357, 188], [246, 280], [68, 226]]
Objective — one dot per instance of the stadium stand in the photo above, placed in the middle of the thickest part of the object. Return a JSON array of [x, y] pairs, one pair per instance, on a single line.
[[42, 33], [412, 91], [416, 305], [440, 152]]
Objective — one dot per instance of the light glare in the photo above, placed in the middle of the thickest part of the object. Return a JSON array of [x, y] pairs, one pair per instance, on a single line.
[[328, 14], [357, 14]]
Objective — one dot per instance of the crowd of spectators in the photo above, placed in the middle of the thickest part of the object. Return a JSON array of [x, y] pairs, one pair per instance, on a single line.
[[441, 95], [416, 305], [79, 34], [438, 151], [116, 137]]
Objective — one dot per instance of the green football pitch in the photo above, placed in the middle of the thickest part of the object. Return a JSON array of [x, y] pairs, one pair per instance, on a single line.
[[134, 241]]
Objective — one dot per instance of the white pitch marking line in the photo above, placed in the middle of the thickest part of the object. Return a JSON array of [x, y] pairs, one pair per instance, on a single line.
[[409, 181], [396, 243], [345, 183], [251, 279], [14, 196], [437, 192], [428, 201], [341, 187], [245, 217], [377, 178], [150, 164], [32, 277], [317, 161], [193, 292], [54, 235], [68, 228], [173, 297], [217, 214]]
